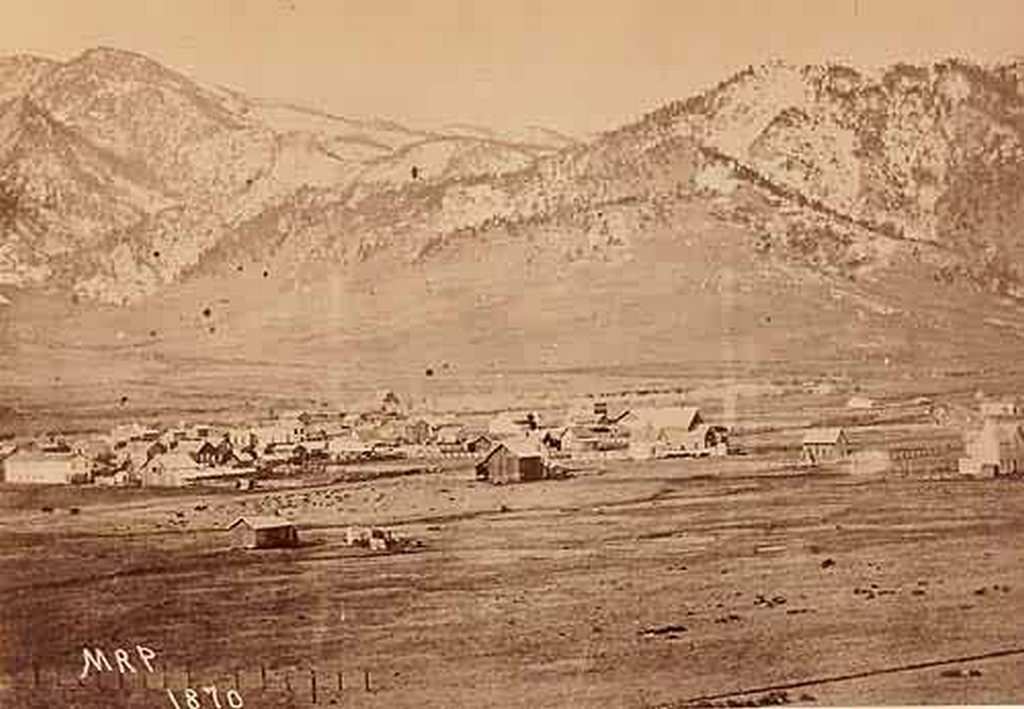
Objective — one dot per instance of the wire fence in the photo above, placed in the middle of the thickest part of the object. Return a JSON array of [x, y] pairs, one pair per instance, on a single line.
[[185, 687]]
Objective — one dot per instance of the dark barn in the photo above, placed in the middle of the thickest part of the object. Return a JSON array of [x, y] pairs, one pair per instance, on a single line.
[[263, 533], [511, 462]]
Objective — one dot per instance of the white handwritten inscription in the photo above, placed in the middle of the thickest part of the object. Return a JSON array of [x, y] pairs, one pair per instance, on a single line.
[[192, 698], [97, 660]]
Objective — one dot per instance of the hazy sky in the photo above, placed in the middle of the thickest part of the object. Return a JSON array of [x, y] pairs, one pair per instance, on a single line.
[[575, 65]]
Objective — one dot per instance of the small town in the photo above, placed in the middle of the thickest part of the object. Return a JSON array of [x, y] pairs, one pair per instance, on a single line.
[[513, 446], [527, 355]]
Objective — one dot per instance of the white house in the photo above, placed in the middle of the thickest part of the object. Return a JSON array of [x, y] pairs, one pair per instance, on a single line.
[[47, 468]]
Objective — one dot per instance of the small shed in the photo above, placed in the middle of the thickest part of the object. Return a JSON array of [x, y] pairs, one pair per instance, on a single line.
[[263, 533], [824, 445], [511, 461]]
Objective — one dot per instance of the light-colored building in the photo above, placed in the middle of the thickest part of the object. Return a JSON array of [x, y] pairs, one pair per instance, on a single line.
[[172, 469], [672, 430], [346, 448], [1001, 409], [860, 402], [996, 449], [513, 424], [42, 468], [824, 445]]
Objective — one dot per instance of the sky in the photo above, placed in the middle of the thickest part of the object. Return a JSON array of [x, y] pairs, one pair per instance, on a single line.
[[579, 66]]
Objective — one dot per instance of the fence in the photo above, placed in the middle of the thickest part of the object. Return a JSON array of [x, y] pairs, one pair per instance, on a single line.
[[298, 686]]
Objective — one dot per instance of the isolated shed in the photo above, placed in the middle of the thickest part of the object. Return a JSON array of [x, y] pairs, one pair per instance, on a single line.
[[263, 533], [511, 461], [824, 445]]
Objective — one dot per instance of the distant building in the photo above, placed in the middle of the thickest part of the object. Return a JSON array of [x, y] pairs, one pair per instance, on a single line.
[[263, 533], [175, 468], [650, 422], [824, 445], [511, 461], [41, 468], [1001, 409], [997, 449], [417, 432], [672, 430], [448, 433], [479, 444], [860, 402], [509, 423], [347, 448]]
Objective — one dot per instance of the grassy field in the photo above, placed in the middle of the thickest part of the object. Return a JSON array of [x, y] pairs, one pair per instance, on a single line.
[[628, 586]]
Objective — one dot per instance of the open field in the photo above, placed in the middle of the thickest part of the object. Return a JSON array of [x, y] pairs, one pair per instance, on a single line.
[[633, 585]]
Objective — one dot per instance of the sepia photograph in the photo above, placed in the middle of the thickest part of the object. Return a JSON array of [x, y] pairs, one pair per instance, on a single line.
[[526, 354]]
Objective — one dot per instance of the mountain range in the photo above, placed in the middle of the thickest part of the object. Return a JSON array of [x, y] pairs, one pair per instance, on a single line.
[[159, 235]]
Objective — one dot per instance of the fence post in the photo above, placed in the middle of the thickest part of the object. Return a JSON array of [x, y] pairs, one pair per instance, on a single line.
[[164, 673], [341, 681], [35, 674], [366, 680], [237, 688], [263, 677], [288, 682], [312, 683]]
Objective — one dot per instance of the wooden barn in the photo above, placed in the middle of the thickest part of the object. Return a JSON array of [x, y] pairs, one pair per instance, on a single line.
[[263, 533], [824, 445], [511, 461]]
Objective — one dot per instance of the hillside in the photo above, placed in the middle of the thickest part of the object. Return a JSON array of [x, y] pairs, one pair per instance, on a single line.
[[801, 218]]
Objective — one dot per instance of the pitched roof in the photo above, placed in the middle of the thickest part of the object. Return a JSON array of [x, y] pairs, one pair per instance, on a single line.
[[174, 460], [824, 435], [522, 448], [666, 416], [41, 456], [262, 522]]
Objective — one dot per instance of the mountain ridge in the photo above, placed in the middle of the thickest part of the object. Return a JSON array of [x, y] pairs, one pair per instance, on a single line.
[[725, 225]]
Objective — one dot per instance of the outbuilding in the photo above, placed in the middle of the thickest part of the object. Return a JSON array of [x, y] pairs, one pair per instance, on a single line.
[[263, 532], [824, 445], [511, 461]]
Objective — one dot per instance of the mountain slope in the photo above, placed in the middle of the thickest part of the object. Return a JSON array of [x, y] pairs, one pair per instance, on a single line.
[[191, 164], [807, 218]]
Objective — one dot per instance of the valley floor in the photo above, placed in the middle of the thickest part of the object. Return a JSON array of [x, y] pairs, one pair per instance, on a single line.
[[629, 586]]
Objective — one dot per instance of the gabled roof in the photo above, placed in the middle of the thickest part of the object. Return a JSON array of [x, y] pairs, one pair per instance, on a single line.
[[262, 522], [824, 435], [683, 417], [520, 448], [190, 447], [23, 454], [174, 460]]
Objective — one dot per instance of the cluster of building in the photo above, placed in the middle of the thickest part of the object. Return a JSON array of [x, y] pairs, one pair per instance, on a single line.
[[301, 441], [524, 449], [188, 454], [511, 447]]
